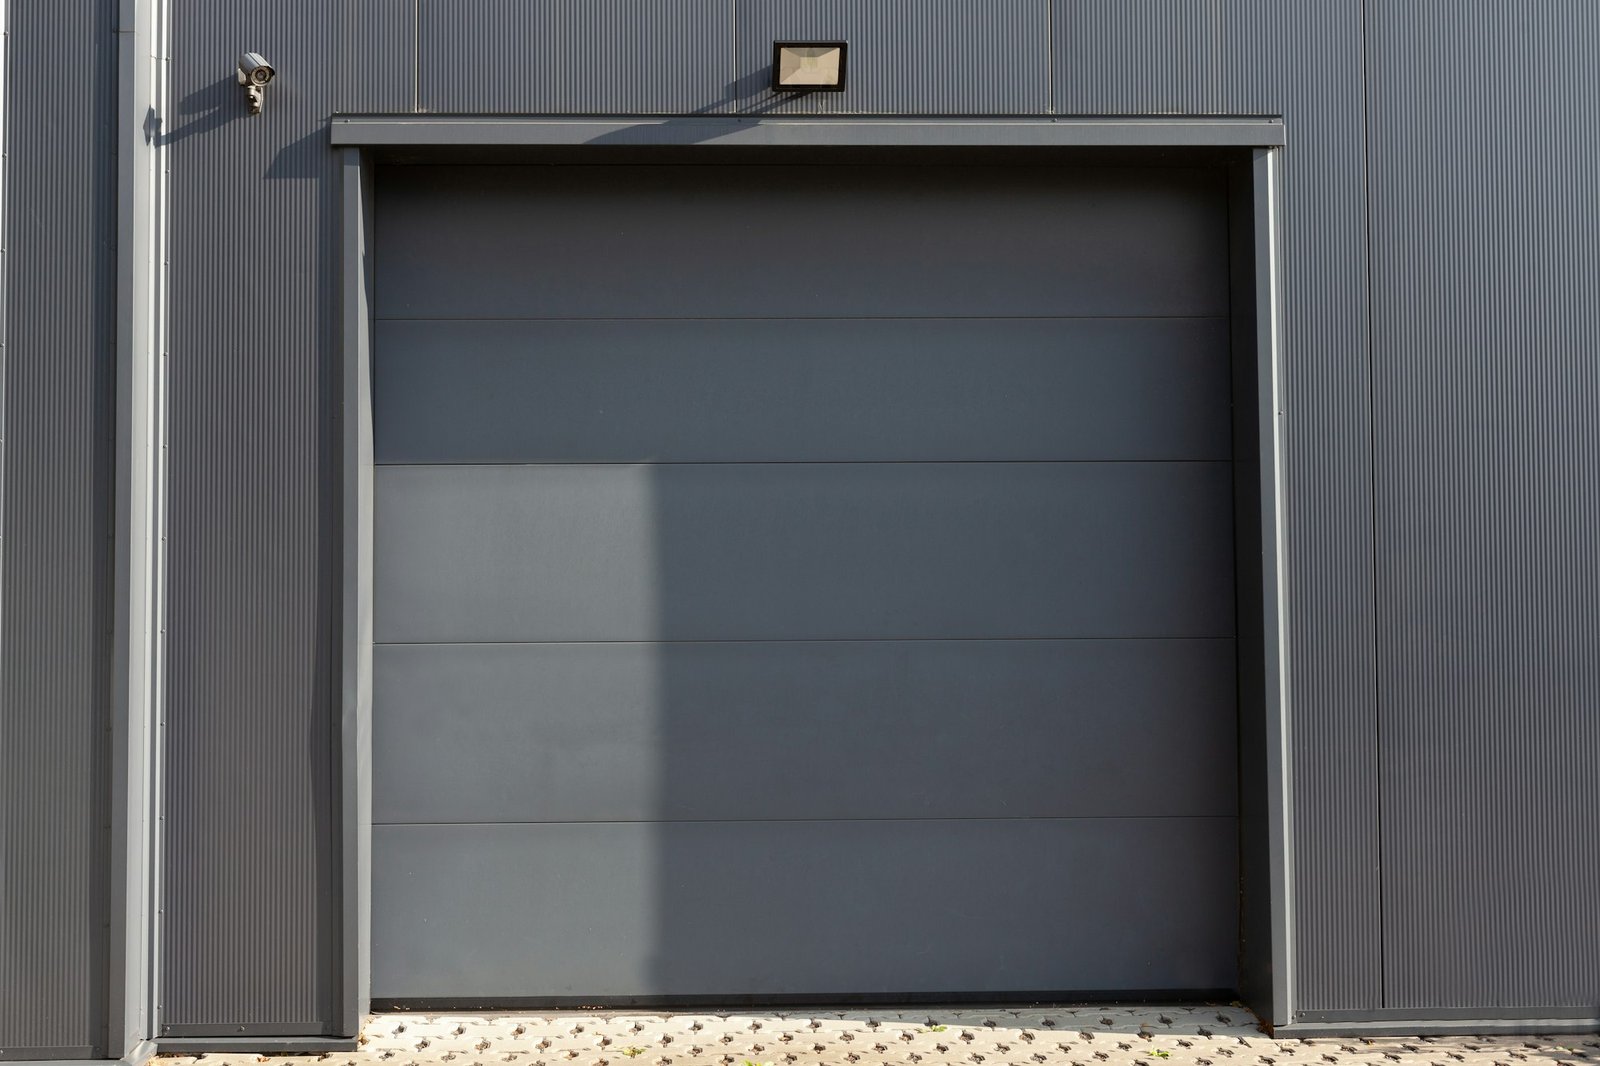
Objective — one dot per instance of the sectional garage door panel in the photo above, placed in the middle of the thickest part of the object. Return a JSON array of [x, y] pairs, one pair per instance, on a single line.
[[808, 242], [699, 390], [803, 729], [809, 580], [780, 908], [742, 551]]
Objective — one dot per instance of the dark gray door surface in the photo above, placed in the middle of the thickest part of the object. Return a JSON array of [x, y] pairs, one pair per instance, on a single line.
[[803, 580]]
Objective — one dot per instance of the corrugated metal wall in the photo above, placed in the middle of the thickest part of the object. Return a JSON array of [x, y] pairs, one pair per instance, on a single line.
[[1305, 62], [950, 57], [1486, 270], [1467, 393], [584, 56], [55, 564], [251, 936]]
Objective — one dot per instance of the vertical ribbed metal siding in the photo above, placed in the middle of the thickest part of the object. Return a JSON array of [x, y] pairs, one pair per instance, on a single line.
[[1303, 61], [632, 57], [251, 931], [949, 57], [575, 56], [1486, 256], [377, 72], [1114, 57], [55, 565]]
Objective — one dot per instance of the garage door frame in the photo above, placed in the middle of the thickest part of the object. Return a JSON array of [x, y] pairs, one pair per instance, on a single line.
[[1257, 329]]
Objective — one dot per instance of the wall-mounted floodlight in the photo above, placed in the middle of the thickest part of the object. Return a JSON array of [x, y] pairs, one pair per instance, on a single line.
[[808, 66], [254, 74]]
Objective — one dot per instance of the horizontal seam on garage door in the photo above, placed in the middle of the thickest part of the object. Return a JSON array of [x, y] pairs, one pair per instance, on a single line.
[[774, 640], [808, 462], [789, 318], [901, 818]]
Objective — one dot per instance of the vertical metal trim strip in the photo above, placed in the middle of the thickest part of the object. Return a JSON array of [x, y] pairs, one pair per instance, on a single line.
[[1274, 613], [5, 318], [1050, 57], [125, 1021], [159, 28], [355, 737], [138, 557]]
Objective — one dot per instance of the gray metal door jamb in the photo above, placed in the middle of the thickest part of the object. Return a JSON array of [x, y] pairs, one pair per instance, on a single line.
[[411, 131], [355, 718], [1265, 186]]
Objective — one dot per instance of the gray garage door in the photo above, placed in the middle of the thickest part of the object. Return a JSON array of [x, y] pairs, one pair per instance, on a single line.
[[802, 581]]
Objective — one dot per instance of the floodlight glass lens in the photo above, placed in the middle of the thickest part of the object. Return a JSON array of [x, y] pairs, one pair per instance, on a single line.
[[809, 65]]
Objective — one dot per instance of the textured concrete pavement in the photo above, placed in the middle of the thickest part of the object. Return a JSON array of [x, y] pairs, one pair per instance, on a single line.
[[1071, 1036]]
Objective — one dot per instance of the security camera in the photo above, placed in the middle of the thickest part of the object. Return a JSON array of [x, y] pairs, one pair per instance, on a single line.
[[254, 69], [254, 74]]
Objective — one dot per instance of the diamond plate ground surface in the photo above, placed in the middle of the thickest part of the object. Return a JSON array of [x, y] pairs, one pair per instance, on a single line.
[[1071, 1036]]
